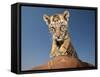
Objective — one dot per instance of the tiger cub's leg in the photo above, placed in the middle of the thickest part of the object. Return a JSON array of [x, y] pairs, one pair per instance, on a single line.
[[54, 49], [64, 47]]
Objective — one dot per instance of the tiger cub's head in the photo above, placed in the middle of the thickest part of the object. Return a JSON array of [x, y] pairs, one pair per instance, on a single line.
[[58, 25]]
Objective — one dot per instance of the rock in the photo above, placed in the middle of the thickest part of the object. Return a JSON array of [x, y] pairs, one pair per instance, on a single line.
[[63, 62]]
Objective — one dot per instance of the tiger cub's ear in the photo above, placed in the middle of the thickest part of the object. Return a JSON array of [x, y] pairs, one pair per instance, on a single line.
[[66, 15], [46, 19]]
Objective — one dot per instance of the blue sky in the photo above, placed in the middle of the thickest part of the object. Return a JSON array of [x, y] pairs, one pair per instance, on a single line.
[[36, 39]]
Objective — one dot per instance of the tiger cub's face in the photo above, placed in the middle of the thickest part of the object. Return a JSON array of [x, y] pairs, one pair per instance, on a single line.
[[58, 25]]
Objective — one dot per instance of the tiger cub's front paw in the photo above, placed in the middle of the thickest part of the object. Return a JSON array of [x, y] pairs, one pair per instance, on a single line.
[[52, 55]]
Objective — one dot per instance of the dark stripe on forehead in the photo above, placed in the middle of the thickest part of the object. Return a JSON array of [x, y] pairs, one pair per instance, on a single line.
[[56, 18]]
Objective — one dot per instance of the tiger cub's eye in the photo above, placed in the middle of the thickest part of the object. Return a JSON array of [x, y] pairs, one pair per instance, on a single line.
[[62, 22], [52, 29], [62, 27]]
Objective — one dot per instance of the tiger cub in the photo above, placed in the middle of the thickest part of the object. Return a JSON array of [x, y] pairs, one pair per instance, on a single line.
[[61, 41]]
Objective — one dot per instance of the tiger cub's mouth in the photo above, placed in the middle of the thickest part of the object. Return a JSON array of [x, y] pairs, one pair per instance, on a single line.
[[59, 43], [58, 39]]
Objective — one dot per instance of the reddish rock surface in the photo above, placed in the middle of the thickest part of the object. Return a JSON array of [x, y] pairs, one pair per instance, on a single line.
[[62, 62]]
